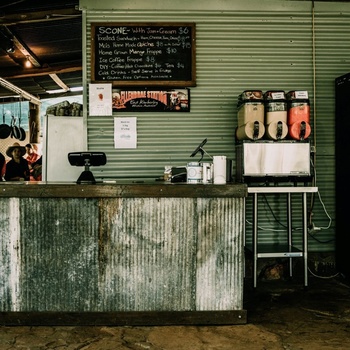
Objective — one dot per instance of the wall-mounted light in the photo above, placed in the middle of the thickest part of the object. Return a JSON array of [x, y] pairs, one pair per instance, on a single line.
[[10, 48], [28, 64], [11, 44]]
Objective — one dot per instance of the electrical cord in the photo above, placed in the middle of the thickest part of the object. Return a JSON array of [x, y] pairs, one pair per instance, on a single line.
[[322, 203], [298, 228], [323, 277], [265, 228], [319, 241]]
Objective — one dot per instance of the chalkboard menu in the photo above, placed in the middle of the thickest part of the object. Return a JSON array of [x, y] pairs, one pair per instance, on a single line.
[[143, 54]]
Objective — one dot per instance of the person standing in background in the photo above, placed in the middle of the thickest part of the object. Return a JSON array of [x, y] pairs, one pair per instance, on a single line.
[[31, 157], [2, 167], [36, 171], [17, 168]]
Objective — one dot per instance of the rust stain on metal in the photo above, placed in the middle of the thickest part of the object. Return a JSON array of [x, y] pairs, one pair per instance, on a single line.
[[108, 210]]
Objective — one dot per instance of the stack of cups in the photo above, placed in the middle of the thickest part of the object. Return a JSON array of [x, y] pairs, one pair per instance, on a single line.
[[250, 113], [276, 127], [219, 163], [298, 106]]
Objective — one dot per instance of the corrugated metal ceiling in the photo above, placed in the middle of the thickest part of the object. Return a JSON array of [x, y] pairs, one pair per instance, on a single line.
[[50, 33]]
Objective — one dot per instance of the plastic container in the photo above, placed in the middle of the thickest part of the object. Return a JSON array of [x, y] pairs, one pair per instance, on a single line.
[[276, 111], [275, 106], [251, 112], [250, 131], [250, 95], [276, 130], [298, 114], [298, 111], [299, 130]]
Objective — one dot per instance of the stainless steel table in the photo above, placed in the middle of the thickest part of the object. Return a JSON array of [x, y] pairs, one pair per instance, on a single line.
[[287, 251]]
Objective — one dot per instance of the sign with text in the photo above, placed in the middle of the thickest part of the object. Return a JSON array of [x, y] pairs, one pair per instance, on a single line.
[[100, 99], [144, 54], [174, 100], [125, 132]]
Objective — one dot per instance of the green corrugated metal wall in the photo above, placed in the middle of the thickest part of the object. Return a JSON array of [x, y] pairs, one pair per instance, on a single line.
[[288, 45]]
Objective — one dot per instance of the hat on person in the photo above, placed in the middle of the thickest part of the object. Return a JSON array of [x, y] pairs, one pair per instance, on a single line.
[[15, 145]]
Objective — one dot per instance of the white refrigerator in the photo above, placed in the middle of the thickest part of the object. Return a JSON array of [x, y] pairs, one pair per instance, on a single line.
[[62, 135]]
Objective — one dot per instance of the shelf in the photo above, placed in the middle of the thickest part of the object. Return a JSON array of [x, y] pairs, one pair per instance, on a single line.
[[277, 251], [284, 189]]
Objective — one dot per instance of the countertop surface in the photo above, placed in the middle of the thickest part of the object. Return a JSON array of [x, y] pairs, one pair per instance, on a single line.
[[120, 188]]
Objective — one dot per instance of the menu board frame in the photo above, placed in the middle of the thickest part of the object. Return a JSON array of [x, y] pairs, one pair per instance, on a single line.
[[176, 39]]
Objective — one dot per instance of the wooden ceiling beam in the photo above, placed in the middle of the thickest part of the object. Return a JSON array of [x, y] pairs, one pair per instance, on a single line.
[[39, 16], [33, 72]]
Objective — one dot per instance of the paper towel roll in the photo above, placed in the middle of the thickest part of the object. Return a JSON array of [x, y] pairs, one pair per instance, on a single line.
[[219, 163]]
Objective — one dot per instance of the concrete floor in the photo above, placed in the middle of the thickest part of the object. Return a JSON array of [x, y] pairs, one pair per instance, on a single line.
[[281, 315]]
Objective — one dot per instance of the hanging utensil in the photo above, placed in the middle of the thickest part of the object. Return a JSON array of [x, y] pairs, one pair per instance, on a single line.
[[16, 133], [32, 132], [5, 130], [22, 131]]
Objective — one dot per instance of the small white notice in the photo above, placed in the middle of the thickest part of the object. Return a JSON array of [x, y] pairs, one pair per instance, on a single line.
[[100, 99], [125, 132]]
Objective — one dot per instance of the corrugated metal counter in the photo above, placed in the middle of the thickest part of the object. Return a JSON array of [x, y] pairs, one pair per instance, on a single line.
[[121, 254]]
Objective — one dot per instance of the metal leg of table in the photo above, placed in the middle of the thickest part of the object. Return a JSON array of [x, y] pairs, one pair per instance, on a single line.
[[290, 253], [255, 238], [289, 227], [244, 238], [305, 243]]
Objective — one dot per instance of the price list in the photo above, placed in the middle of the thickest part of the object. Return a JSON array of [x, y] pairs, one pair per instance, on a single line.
[[144, 54]]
